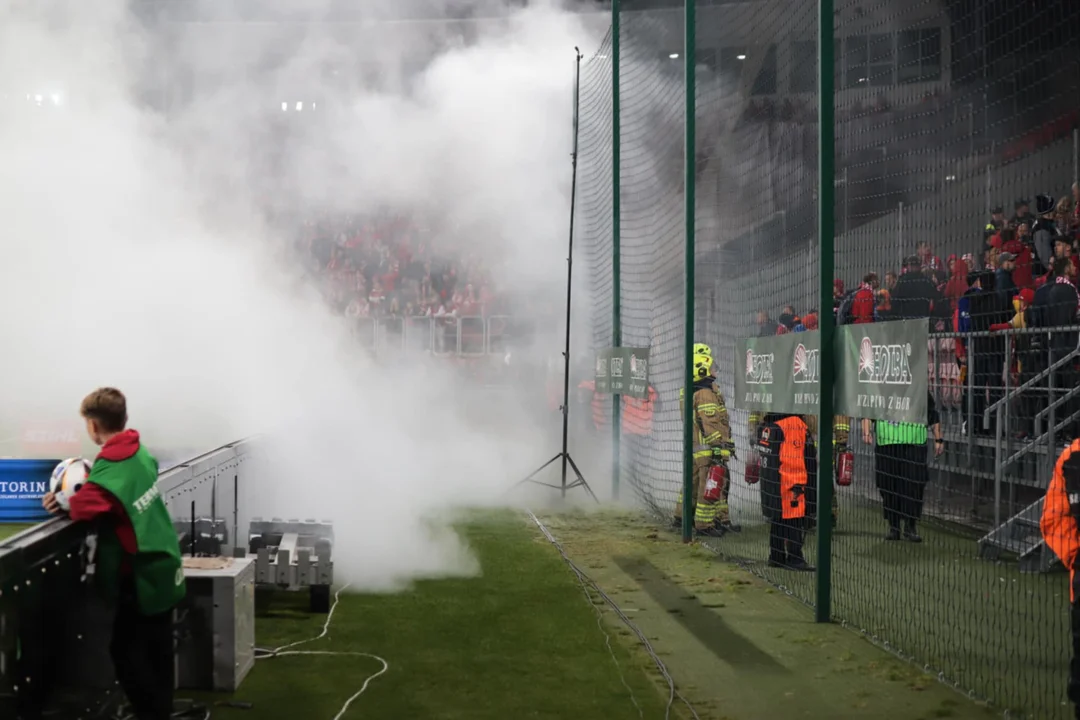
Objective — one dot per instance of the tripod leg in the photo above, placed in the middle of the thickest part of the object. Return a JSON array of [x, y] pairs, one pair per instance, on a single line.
[[537, 471], [580, 479]]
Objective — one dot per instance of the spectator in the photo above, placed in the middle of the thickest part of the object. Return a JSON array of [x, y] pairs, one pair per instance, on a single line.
[[1003, 276], [996, 224], [1023, 213], [766, 326], [890, 281], [1022, 360], [1045, 229], [927, 259], [788, 318], [837, 295], [862, 302], [883, 309], [979, 309], [1074, 224], [915, 295], [957, 284], [1055, 306], [1024, 262]]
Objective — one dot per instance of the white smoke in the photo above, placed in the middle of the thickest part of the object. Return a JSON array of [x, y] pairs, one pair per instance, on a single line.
[[137, 164]]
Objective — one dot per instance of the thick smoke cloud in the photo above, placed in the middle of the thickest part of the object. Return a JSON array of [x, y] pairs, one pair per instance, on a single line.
[[145, 169]]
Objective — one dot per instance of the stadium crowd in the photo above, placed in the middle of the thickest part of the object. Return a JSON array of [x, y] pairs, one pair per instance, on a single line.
[[1023, 272], [388, 266]]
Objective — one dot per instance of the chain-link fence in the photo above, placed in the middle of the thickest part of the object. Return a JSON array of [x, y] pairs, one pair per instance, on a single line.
[[954, 199]]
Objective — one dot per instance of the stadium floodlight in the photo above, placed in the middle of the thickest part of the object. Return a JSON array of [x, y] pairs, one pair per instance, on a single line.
[[674, 56], [299, 106], [740, 57], [284, 107]]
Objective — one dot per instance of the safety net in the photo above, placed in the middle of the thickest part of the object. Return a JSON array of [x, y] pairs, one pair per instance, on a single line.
[[954, 201]]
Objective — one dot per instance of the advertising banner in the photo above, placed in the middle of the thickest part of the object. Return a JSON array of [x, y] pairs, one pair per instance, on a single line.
[[623, 371], [881, 372], [779, 373]]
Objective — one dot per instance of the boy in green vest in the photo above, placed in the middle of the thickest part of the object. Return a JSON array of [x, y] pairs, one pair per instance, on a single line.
[[138, 558]]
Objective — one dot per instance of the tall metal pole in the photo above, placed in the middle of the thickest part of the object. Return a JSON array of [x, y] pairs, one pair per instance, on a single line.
[[616, 243], [826, 232], [570, 273], [689, 165]]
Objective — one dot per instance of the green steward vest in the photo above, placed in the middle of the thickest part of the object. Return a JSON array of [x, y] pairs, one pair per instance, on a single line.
[[890, 433], [157, 565]]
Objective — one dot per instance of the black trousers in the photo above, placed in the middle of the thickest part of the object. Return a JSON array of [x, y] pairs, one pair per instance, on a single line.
[[786, 539], [143, 657], [901, 473]]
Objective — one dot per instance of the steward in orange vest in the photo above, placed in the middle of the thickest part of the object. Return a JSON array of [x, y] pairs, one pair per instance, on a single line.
[[637, 415], [1061, 532], [788, 486]]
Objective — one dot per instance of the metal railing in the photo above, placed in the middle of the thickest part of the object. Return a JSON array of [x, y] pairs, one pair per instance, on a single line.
[[54, 626], [471, 336], [991, 386]]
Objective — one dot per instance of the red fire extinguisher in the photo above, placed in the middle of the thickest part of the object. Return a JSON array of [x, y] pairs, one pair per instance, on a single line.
[[845, 467], [714, 483], [752, 470]]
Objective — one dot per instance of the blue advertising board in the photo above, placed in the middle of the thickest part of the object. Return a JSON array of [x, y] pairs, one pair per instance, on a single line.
[[22, 483]]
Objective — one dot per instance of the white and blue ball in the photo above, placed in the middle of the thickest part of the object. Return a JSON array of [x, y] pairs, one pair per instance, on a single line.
[[67, 479]]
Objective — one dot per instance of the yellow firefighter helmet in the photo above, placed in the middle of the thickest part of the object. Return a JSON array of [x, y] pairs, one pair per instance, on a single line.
[[702, 349], [702, 366]]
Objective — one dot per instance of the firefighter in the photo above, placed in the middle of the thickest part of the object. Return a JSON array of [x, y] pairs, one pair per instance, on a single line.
[[788, 490], [1060, 525], [712, 444]]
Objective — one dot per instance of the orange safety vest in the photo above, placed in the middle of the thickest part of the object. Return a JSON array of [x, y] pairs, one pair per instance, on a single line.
[[637, 414], [793, 471], [1059, 527]]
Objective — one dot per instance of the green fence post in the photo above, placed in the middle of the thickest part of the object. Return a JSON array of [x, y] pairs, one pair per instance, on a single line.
[[689, 165], [826, 192], [616, 253]]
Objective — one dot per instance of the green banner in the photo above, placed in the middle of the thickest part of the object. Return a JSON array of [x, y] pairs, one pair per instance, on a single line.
[[778, 373], [623, 371], [881, 372]]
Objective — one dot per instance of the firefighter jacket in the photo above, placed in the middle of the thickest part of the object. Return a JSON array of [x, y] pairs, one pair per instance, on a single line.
[[788, 468], [1061, 513], [712, 427]]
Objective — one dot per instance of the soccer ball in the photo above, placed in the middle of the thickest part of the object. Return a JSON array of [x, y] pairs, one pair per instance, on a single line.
[[67, 478]]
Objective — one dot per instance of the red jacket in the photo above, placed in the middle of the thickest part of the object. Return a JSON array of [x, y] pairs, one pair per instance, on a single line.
[[862, 305]]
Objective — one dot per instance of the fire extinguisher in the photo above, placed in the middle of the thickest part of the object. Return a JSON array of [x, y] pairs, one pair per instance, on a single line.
[[714, 483], [752, 470], [845, 467]]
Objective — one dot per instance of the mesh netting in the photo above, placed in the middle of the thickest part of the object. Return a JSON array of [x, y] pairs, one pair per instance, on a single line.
[[943, 114]]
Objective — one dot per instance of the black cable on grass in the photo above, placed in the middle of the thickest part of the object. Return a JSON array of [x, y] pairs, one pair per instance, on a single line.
[[588, 583]]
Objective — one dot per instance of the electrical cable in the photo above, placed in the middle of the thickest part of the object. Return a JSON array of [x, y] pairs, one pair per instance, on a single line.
[[588, 583], [286, 650]]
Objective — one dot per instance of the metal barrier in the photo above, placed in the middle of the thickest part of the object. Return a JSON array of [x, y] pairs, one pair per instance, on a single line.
[[54, 628], [1004, 414], [471, 336]]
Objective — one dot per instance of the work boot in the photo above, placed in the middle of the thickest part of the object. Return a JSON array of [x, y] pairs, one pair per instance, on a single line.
[[911, 536], [713, 532], [728, 526], [800, 565], [893, 534]]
